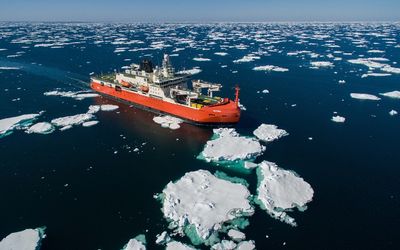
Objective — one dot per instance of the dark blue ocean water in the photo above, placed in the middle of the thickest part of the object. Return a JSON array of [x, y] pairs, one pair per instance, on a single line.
[[353, 167]]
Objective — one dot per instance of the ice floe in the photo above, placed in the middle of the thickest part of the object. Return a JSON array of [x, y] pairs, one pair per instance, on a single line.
[[247, 58], [89, 123], [270, 68], [28, 239], [176, 245], [77, 95], [199, 204], [236, 235], [9, 68], [246, 245], [322, 64], [201, 59], [393, 112], [108, 107], [269, 132], [137, 243], [338, 118], [192, 71], [221, 53], [168, 121], [68, 121], [362, 96], [163, 238], [7, 125], [392, 94], [281, 190], [224, 245], [40, 128], [228, 145]]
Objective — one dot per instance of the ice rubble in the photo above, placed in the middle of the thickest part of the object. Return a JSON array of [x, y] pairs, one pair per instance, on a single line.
[[7, 125], [77, 95], [192, 71], [281, 190], [163, 238], [28, 239], [176, 245], [40, 128], [338, 118], [228, 145], [270, 68], [362, 96], [168, 121], [204, 202], [137, 243], [392, 94], [269, 132], [376, 63]]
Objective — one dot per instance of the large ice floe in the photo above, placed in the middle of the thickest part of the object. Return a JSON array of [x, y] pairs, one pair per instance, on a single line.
[[77, 95], [270, 68], [69, 121], [176, 245], [392, 94], [40, 128], [279, 191], [362, 96], [200, 205], [375, 63], [228, 145], [137, 243], [168, 121], [28, 239], [269, 132], [7, 125]]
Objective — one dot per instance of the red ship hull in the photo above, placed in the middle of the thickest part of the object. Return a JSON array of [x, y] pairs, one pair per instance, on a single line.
[[226, 113]]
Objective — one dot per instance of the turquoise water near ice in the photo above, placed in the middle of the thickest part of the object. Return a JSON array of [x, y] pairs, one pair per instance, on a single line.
[[352, 167]]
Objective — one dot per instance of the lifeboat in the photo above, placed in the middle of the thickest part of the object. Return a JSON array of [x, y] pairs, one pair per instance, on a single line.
[[126, 84], [144, 88]]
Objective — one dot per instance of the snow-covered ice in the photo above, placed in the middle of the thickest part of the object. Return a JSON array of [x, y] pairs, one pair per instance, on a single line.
[[338, 118], [393, 112], [246, 245], [108, 107], [228, 145], [236, 235], [320, 64], [7, 125], [77, 95], [281, 190], [176, 245], [163, 238], [28, 239], [89, 123], [192, 71], [168, 121], [270, 68], [201, 59], [224, 245], [137, 243], [204, 202], [362, 96], [72, 120], [40, 128], [392, 94], [269, 132]]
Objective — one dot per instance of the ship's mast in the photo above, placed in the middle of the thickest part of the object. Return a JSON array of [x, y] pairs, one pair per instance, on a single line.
[[167, 69]]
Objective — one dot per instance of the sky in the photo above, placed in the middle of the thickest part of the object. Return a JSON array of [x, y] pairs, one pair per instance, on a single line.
[[199, 10]]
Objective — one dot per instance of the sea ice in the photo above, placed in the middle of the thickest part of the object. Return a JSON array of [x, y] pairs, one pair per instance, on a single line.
[[392, 94], [94, 109], [77, 95], [281, 190], [201, 59], [9, 68], [236, 235], [192, 71], [137, 243], [362, 96], [89, 123], [322, 64], [40, 128], [338, 118], [163, 238], [203, 202], [269, 132], [247, 58], [168, 121], [7, 125], [246, 245], [393, 112], [221, 53], [108, 107], [176, 245], [228, 145], [270, 68], [224, 245], [68, 121], [28, 239]]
